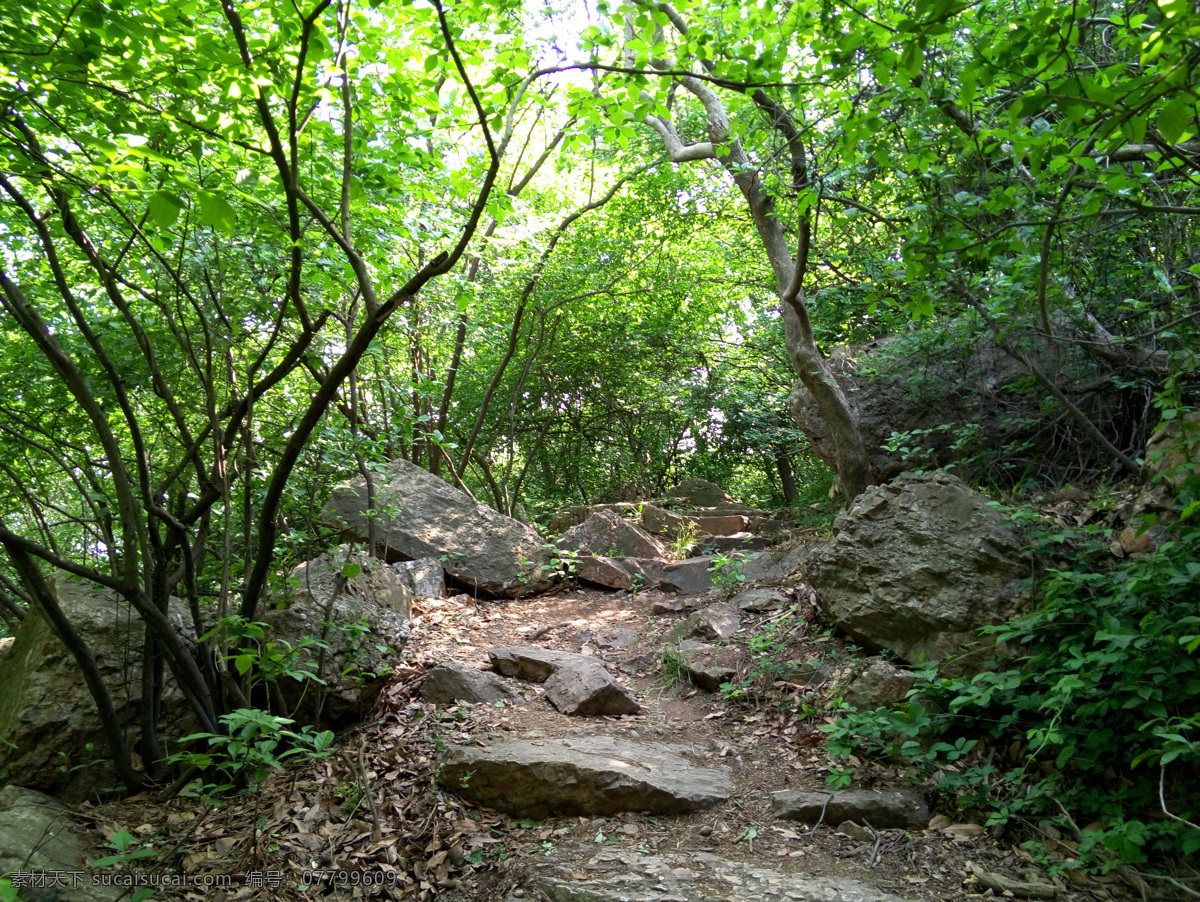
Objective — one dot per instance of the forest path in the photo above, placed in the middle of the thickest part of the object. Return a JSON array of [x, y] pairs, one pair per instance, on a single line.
[[313, 831]]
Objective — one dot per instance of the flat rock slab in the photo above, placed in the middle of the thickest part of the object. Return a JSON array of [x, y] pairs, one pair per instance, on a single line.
[[594, 775], [689, 577], [717, 621], [453, 682], [589, 690], [647, 572], [771, 566], [667, 606], [617, 875], [758, 600], [883, 810], [533, 664], [604, 571], [739, 541]]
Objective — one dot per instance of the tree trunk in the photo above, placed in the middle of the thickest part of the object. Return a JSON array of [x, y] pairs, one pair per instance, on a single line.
[[787, 478]]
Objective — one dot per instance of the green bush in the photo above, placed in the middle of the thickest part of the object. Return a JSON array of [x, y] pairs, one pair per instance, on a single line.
[[1097, 723]]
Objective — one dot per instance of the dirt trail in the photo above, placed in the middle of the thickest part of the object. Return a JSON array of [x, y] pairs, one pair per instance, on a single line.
[[404, 831]]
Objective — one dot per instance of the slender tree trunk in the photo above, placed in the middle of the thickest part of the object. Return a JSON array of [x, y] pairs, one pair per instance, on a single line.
[[787, 478]]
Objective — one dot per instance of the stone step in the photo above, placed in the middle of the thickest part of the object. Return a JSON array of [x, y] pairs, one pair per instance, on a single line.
[[593, 775], [620, 875]]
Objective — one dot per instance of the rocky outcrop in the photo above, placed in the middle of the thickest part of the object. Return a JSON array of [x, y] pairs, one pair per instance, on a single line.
[[50, 734], [960, 398], [356, 606], [757, 600], [589, 776], [38, 836], [883, 810], [917, 567], [605, 533], [532, 664], [417, 515]]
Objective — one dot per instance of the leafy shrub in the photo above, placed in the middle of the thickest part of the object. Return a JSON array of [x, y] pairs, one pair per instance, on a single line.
[[1100, 723]]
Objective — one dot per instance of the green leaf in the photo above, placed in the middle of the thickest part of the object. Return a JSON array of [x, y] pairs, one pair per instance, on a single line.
[[216, 211], [350, 569], [1175, 118], [165, 208]]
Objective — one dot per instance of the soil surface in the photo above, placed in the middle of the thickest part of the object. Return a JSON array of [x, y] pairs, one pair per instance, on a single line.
[[371, 820]]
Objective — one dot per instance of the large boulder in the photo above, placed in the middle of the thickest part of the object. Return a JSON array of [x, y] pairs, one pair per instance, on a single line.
[[957, 399], [917, 567], [41, 842], [695, 492], [604, 533], [359, 609], [50, 734], [417, 515]]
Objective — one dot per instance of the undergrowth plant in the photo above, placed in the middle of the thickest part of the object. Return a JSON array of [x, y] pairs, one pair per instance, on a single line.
[[254, 744], [1096, 728]]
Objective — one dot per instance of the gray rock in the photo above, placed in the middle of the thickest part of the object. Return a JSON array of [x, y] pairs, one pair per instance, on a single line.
[[658, 521], [882, 810], [712, 525], [453, 682], [604, 571], [966, 380], [740, 541], [593, 775], [917, 567], [532, 664], [647, 572], [805, 673], [879, 685], [759, 600], [619, 875], [6, 645], [582, 690], [666, 606], [576, 514], [50, 734], [365, 625], [424, 577], [689, 577], [696, 492], [717, 621], [616, 637], [605, 533], [417, 515], [38, 835], [774, 565], [708, 666]]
